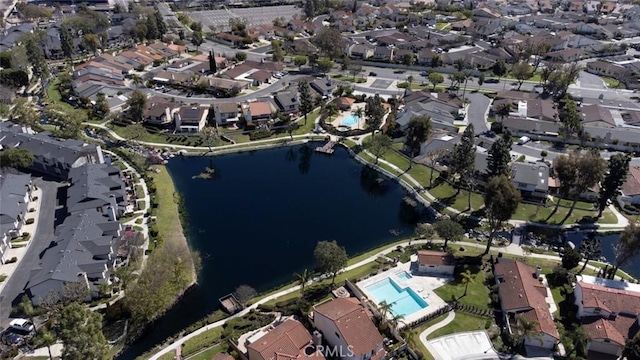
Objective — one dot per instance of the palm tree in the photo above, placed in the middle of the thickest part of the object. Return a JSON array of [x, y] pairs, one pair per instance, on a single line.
[[47, 339], [467, 278], [209, 133], [503, 110], [384, 307], [137, 80], [359, 112], [303, 279], [527, 329]]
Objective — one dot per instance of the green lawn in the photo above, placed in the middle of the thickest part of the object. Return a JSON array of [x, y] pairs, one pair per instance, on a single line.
[[445, 192], [201, 341], [418, 330], [477, 293], [539, 213], [168, 356], [207, 354], [348, 78], [309, 127], [129, 132], [55, 97], [442, 25], [168, 219], [462, 322], [613, 83]]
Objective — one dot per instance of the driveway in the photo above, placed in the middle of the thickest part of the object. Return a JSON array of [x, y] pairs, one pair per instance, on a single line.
[[43, 236], [590, 81], [463, 346], [478, 107]]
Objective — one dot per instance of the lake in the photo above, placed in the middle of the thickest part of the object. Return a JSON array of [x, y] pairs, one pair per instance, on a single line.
[[260, 216]]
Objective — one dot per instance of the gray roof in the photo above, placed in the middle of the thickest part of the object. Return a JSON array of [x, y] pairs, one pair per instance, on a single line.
[[622, 135], [43, 146], [285, 99], [323, 85], [531, 173], [92, 185], [532, 126], [12, 35], [81, 246], [13, 189]]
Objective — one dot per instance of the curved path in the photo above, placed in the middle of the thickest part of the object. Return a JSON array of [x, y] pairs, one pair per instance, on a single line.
[[431, 329]]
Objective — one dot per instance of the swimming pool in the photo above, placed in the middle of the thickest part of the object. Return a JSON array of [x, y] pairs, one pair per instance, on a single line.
[[403, 275], [350, 120], [403, 301]]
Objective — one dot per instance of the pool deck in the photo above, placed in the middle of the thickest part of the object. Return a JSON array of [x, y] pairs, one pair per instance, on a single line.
[[423, 286]]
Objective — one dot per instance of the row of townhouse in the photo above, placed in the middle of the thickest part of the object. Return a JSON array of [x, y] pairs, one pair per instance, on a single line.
[[86, 244]]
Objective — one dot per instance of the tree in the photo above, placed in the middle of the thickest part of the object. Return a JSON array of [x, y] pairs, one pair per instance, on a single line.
[[418, 131], [300, 61], [309, 9], [527, 329], [324, 64], [213, 66], [209, 134], [244, 293], [374, 112], [197, 39], [435, 79], [306, 101], [302, 279], [35, 54], [618, 170], [16, 158], [80, 330], [66, 42], [499, 69], [503, 110], [589, 170], [481, 79], [277, 52], [25, 306], [571, 258], [160, 24], [91, 42], [500, 156], [345, 62], [627, 247], [379, 145], [632, 348], [152, 27], [544, 154], [354, 70], [590, 249], [137, 103], [501, 200], [45, 338], [424, 230], [101, 107], [328, 40], [330, 257], [570, 118], [241, 56], [467, 278], [449, 230], [521, 71], [559, 77], [464, 157]]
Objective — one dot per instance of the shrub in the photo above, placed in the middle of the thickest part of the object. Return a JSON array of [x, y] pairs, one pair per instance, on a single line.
[[35, 198], [12, 260], [3, 277], [30, 221], [260, 134], [26, 234], [32, 210]]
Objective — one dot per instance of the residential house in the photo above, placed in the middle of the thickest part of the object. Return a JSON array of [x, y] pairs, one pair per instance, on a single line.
[[423, 103], [531, 178], [521, 126], [609, 313], [226, 113], [522, 295], [83, 253], [283, 339], [191, 118], [438, 144], [565, 56], [159, 111], [260, 77], [631, 187], [11, 35], [53, 157], [324, 87], [257, 112], [228, 39], [137, 60], [346, 325], [605, 68], [344, 103], [15, 195], [436, 262], [287, 101], [596, 115], [384, 53], [361, 51]]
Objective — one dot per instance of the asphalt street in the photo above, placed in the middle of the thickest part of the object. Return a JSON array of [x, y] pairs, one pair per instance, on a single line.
[[40, 241], [477, 111]]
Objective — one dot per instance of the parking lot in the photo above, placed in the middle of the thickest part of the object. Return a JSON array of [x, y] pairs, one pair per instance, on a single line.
[[381, 84], [217, 20]]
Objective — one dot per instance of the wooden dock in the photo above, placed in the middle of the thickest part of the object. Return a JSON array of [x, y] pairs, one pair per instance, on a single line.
[[327, 148]]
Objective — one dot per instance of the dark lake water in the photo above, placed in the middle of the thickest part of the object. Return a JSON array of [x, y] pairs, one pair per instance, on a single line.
[[258, 221], [607, 242]]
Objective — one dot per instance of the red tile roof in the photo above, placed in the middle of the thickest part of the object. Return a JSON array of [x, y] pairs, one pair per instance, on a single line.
[[632, 185], [598, 328], [426, 257], [286, 341], [616, 300], [519, 290], [353, 322]]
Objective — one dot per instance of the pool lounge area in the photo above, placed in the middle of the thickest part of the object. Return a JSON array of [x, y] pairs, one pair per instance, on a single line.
[[410, 296], [348, 120]]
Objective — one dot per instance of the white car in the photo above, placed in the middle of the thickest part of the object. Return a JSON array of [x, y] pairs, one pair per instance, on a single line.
[[22, 325]]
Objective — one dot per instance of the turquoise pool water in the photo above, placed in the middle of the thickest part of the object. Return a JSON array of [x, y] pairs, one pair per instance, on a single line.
[[404, 275], [403, 301], [350, 120]]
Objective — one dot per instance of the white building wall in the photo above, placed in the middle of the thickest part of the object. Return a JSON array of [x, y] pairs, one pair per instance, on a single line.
[[332, 335], [436, 269]]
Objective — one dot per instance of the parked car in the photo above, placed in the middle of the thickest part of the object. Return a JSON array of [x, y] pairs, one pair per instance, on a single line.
[[12, 339], [399, 71], [22, 325], [373, 74], [424, 73], [492, 81]]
